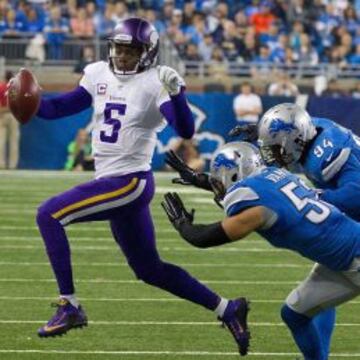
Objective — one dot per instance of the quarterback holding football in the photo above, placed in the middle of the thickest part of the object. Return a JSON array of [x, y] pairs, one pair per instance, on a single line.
[[130, 97]]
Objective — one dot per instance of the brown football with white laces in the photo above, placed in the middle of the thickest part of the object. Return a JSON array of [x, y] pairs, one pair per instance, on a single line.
[[23, 94]]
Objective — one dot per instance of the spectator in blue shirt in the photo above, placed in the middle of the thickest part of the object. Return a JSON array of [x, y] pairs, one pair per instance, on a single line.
[[56, 30], [270, 38], [263, 57], [13, 27], [278, 53], [252, 9], [150, 15], [355, 58], [351, 21], [2, 21], [104, 24], [34, 24]]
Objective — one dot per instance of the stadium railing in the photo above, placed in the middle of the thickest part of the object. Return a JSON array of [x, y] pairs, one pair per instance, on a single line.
[[14, 50], [298, 70]]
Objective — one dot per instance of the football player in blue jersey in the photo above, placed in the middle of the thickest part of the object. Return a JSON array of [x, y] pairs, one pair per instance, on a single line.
[[288, 214], [328, 153]]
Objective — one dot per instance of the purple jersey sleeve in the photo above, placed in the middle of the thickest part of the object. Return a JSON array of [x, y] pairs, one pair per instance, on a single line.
[[66, 104], [178, 114]]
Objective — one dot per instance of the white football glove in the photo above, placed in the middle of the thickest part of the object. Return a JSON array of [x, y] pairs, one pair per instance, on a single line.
[[170, 79]]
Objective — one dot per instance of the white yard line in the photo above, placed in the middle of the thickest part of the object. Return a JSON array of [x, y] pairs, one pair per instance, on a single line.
[[49, 190], [32, 212], [40, 174], [151, 353], [130, 300], [163, 352], [163, 323], [76, 228], [200, 265], [108, 238], [141, 300], [120, 281], [160, 248]]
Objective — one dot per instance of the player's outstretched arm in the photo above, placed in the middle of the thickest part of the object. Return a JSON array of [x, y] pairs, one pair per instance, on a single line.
[[176, 111], [204, 236], [188, 176], [66, 104]]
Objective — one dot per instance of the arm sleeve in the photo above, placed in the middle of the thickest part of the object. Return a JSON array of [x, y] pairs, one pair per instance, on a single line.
[[344, 198], [178, 114], [65, 105], [333, 162], [204, 236]]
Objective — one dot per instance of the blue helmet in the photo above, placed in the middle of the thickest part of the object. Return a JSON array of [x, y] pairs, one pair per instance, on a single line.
[[134, 32], [284, 130], [235, 161]]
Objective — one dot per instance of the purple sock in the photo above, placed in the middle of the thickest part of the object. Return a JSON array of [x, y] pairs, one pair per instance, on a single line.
[[58, 250]]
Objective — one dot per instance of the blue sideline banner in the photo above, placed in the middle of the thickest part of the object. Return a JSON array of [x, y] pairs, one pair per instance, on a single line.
[[44, 143], [345, 110]]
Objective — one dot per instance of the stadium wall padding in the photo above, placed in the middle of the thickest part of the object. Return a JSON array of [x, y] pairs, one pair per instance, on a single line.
[[43, 144]]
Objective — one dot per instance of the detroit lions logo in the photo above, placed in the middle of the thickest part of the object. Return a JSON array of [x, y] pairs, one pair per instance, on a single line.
[[278, 125], [222, 161]]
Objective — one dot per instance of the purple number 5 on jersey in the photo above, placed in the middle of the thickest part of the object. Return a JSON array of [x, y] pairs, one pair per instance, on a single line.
[[114, 122]]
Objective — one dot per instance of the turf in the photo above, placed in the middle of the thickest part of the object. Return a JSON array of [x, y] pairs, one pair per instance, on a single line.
[[131, 320]]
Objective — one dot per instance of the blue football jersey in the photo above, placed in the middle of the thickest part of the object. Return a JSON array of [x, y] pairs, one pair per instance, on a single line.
[[333, 163], [299, 221]]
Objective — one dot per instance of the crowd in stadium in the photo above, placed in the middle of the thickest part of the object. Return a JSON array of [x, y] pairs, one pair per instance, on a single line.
[[255, 31]]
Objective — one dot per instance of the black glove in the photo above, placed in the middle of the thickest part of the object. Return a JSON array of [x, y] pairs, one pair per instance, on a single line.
[[187, 175], [175, 210], [247, 132]]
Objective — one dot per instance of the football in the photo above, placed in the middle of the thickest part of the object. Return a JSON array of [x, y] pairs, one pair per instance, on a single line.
[[24, 95]]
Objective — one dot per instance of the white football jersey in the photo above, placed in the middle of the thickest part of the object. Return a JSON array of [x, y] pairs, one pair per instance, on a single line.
[[126, 118]]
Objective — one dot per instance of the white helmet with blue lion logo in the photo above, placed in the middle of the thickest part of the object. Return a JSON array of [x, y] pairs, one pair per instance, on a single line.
[[284, 132], [235, 161]]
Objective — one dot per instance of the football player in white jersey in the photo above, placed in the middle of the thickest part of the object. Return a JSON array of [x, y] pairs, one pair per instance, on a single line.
[[130, 97]]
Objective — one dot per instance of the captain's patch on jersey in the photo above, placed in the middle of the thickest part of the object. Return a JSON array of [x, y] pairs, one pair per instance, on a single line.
[[101, 89]]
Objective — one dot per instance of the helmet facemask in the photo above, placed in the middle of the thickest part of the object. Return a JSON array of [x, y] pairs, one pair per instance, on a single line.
[[132, 58], [282, 155]]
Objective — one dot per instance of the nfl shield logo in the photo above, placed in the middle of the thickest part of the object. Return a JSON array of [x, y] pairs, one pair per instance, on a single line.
[[101, 89]]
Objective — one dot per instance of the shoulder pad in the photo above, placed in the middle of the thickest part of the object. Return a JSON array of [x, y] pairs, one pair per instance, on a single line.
[[239, 194], [95, 68], [328, 154]]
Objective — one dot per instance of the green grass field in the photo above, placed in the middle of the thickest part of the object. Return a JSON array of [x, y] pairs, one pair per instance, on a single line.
[[128, 319]]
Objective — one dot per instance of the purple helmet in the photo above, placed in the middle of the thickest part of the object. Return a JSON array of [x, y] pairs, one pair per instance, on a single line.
[[134, 32]]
